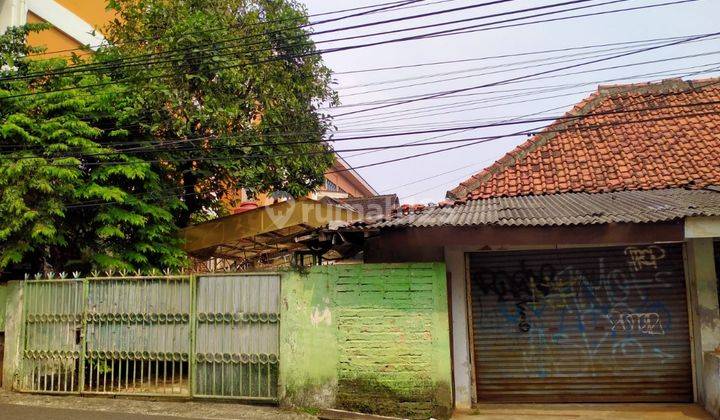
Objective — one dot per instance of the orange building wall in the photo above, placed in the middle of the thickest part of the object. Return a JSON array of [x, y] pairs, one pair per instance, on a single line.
[[52, 39], [91, 11], [342, 181]]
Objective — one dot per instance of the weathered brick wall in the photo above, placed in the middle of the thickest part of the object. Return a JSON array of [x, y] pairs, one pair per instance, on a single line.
[[388, 340], [390, 354]]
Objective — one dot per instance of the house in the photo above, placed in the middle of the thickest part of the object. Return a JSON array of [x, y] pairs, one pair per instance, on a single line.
[[581, 265], [75, 22], [342, 183]]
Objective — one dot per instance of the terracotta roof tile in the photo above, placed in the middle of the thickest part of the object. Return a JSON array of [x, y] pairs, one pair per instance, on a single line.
[[658, 140]]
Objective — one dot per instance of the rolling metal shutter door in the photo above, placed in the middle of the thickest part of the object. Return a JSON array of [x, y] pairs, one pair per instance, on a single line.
[[581, 325]]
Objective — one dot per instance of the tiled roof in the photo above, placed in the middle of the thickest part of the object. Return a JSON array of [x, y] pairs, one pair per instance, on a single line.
[[665, 140], [566, 209]]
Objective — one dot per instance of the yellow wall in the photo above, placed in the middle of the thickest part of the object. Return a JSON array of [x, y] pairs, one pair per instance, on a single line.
[[91, 11], [51, 39], [342, 181]]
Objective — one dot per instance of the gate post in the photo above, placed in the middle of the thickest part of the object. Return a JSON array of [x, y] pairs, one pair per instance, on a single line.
[[83, 335], [14, 340], [193, 333]]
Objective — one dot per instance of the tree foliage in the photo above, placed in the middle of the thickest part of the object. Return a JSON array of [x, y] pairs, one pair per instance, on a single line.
[[175, 115], [242, 72], [61, 206]]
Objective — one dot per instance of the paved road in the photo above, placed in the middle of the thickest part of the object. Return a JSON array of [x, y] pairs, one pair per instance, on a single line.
[[26, 412]]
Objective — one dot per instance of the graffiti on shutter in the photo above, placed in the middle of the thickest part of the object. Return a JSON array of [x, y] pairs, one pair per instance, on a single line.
[[602, 324]]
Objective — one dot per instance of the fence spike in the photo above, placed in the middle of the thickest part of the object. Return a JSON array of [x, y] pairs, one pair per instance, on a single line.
[[27, 276], [76, 274], [63, 275], [50, 275], [138, 272], [38, 276], [95, 273]]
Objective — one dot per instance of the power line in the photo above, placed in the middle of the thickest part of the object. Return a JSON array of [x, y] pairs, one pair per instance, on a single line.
[[337, 49], [165, 142], [520, 54], [517, 78], [494, 66], [506, 70], [485, 139], [396, 5], [214, 50], [474, 94], [598, 126], [158, 145], [566, 118], [459, 106], [533, 131]]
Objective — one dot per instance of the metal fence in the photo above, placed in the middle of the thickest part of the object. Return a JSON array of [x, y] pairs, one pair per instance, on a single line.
[[208, 336]]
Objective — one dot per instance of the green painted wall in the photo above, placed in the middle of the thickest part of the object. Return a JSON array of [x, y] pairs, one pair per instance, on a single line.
[[308, 342], [368, 337], [3, 301]]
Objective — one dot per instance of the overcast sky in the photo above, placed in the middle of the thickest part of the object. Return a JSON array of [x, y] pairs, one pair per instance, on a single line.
[[426, 179]]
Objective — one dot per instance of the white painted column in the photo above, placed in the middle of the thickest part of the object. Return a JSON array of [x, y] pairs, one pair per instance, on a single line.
[[12, 13], [462, 362], [66, 21]]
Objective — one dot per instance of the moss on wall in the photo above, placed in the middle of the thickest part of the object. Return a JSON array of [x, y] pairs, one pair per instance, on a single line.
[[372, 338], [369, 395], [308, 340]]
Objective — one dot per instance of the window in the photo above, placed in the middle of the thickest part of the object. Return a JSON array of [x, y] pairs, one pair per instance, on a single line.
[[331, 186]]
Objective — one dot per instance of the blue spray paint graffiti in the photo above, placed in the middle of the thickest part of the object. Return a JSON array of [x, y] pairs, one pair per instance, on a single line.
[[599, 310]]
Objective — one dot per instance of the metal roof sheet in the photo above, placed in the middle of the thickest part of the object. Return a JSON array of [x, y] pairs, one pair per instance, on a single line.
[[566, 209]]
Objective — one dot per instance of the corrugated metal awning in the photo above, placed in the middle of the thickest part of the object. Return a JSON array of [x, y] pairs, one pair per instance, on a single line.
[[566, 209], [263, 231]]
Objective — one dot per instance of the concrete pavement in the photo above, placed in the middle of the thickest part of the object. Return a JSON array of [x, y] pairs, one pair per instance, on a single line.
[[587, 412], [28, 412], [15, 406], [50, 407]]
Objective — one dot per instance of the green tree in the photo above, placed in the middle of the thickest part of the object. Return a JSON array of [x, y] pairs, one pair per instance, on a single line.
[[236, 73], [61, 207], [188, 100]]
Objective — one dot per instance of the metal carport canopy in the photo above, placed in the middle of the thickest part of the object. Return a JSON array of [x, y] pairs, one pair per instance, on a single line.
[[269, 228]]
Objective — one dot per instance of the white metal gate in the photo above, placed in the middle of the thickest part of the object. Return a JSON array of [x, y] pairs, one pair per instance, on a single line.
[[237, 339], [214, 336]]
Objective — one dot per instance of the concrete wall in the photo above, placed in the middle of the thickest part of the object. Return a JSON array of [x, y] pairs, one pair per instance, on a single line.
[[13, 333], [705, 316], [369, 337], [308, 346], [711, 381], [3, 299], [463, 388]]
